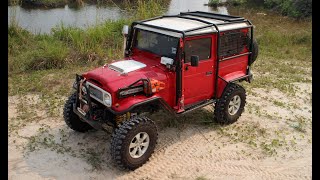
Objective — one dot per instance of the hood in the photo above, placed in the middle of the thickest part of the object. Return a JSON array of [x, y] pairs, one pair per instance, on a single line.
[[122, 73]]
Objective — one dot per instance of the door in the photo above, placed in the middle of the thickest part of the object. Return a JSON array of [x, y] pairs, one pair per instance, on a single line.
[[198, 81]]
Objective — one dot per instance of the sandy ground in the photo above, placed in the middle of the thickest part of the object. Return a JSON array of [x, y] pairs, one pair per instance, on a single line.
[[192, 150]]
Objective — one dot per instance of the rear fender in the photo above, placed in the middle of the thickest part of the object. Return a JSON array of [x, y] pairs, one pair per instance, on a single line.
[[226, 79]]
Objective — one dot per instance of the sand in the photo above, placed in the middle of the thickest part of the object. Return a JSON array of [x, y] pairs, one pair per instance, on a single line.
[[191, 151]]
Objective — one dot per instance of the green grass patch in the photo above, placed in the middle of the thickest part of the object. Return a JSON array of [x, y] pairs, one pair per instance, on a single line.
[[256, 137], [201, 178], [214, 3], [98, 42], [46, 3], [68, 45]]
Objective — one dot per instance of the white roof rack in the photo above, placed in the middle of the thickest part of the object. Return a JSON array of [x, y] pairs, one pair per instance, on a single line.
[[192, 23]]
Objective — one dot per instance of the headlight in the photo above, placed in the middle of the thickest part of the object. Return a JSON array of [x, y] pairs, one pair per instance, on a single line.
[[107, 99]]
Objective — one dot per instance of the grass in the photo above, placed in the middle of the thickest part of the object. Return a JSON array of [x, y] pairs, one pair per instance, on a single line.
[[297, 8], [46, 3], [69, 45], [66, 46], [201, 178], [270, 142], [14, 2], [300, 124], [45, 138], [279, 103], [214, 3]]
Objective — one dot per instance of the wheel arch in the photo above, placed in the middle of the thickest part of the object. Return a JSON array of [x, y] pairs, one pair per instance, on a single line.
[[147, 102], [225, 80]]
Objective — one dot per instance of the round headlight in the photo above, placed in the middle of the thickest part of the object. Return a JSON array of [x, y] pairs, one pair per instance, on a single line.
[[107, 99]]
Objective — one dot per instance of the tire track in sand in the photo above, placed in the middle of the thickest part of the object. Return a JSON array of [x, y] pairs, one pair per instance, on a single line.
[[176, 158]]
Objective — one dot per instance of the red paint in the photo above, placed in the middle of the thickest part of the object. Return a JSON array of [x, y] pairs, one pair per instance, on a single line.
[[111, 80], [197, 82], [197, 85]]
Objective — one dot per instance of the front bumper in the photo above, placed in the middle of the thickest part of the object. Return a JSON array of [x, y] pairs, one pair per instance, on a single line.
[[88, 115], [87, 118]]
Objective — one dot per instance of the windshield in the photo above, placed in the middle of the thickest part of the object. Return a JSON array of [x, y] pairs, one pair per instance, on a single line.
[[159, 44]]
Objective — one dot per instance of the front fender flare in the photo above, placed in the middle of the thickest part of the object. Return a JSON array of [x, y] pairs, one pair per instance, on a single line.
[[145, 102]]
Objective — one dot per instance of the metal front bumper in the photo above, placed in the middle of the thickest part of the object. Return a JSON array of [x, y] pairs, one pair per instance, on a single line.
[[94, 124]]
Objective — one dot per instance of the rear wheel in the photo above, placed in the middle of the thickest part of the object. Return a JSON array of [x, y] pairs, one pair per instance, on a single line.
[[230, 105], [133, 142], [71, 119]]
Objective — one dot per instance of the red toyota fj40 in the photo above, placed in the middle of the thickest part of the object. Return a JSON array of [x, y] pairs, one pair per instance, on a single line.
[[178, 63]]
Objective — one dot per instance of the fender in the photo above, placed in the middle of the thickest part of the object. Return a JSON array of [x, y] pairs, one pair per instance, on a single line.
[[129, 106], [232, 77]]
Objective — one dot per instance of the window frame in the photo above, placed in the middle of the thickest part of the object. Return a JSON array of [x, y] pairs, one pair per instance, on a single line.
[[146, 50], [198, 38], [224, 53]]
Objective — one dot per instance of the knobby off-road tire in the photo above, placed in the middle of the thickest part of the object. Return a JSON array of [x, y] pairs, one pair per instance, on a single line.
[[255, 52], [73, 120], [128, 137], [230, 105]]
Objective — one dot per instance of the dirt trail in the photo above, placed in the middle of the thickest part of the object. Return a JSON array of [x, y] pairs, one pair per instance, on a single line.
[[190, 151]]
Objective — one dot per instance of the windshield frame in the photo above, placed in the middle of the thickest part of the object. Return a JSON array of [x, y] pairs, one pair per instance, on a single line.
[[136, 30]]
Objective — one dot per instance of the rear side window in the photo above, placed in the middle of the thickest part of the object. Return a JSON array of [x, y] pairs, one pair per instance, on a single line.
[[200, 47], [232, 43]]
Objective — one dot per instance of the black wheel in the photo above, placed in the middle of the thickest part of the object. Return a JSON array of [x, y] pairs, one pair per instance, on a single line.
[[255, 52], [133, 142], [73, 120], [230, 105]]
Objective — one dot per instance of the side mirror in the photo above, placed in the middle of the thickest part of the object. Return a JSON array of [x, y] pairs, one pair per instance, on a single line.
[[194, 61], [125, 30]]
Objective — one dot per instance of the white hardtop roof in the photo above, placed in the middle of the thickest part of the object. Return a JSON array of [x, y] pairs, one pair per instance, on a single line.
[[179, 23]]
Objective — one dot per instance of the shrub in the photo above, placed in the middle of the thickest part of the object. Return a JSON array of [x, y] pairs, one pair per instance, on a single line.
[[293, 8], [213, 3]]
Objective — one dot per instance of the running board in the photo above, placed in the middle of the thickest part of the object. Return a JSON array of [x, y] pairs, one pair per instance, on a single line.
[[197, 105]]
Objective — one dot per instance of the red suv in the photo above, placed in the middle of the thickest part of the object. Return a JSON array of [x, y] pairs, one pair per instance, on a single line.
[[177, 63]]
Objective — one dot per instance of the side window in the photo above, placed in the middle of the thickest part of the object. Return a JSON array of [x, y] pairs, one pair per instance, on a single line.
[[200, 47], [232, 43]]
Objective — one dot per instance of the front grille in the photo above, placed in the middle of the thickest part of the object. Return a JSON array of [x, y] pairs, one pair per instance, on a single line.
[[95, 93], [98, 93]]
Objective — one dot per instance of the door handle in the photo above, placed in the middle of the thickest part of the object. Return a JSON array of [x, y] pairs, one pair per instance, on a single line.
[[208, 73]]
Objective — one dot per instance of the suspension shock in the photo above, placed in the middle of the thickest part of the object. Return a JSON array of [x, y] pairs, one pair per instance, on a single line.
[[123, 117]]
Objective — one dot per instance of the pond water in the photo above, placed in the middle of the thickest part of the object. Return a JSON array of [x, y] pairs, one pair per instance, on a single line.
[[42, 20]]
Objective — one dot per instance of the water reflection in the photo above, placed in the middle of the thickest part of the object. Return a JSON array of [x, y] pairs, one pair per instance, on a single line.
[[39, 20], [42, 20]]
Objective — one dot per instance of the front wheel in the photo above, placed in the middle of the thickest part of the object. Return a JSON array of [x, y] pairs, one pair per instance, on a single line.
[[231, 104], [133, 142]]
